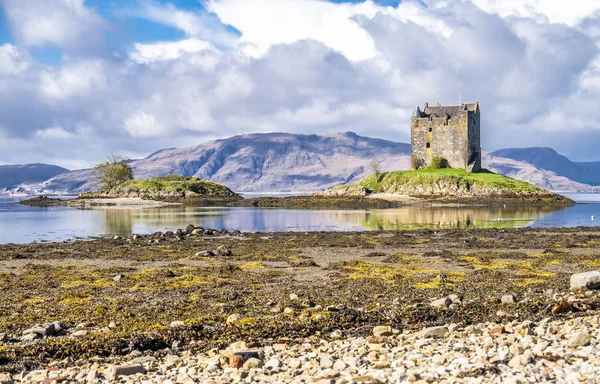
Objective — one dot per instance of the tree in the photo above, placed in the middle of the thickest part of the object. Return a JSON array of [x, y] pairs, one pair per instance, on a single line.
[[417, 162], [112, 172], [376, 166]]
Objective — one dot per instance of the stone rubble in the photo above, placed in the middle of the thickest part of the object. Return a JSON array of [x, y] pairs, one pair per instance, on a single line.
[[516, 352]]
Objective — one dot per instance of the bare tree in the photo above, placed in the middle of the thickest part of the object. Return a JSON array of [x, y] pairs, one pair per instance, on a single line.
[[112, 172], [376, 166]]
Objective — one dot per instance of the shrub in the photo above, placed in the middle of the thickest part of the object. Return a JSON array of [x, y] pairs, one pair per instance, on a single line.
[[439, 162], [417, 162]]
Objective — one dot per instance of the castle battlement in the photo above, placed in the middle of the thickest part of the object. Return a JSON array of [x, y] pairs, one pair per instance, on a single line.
[[449, 131]]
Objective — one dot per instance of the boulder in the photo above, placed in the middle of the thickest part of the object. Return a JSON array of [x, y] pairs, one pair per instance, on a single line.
[[441, 303], [434, 332], [508, 299], [585, 280], [382, 331], [580, 339], [223, 251], [115, 371]]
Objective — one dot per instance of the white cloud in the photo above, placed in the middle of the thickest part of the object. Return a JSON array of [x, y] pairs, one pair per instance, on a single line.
[[147, 53], [202, 25], [12, 60], [76, 79], [315, 67], [556, 11], [53, 133], [142, 124], [265, 23], [63, 23]]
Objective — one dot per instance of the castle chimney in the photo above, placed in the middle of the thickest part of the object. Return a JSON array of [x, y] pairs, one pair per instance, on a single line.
[[438, 105]]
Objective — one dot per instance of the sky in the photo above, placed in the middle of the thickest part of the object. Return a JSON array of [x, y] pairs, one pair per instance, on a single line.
[[81, 79]]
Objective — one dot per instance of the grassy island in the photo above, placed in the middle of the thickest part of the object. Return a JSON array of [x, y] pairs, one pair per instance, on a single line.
[[170, 188], [450, 184], [175, 183]]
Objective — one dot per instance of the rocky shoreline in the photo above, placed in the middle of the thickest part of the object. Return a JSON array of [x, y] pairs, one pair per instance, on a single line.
[[546, 351], [206, 305]]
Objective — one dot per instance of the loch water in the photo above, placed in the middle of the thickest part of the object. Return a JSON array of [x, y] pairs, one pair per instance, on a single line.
[[23, 224]]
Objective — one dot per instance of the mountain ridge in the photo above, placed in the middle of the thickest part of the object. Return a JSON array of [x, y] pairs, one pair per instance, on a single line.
[[548, 159], [11, 176], [285, 162]]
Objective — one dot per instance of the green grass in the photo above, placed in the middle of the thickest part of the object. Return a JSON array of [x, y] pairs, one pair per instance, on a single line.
[[176, 183], [480, 180]]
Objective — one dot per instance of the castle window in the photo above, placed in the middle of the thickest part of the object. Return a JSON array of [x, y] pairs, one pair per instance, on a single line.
[[430, 129], [428, 145]]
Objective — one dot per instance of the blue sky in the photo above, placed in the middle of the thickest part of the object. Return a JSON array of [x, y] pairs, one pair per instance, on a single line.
[[85, 78]]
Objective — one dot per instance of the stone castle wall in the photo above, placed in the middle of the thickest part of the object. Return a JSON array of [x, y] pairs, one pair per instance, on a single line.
[[456, 139]]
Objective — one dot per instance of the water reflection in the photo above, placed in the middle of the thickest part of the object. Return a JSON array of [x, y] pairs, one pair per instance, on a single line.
[[454, 217], [22, 224], [125, 222]]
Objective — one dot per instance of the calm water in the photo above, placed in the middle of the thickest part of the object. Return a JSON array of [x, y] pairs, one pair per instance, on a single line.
[[20, 224]]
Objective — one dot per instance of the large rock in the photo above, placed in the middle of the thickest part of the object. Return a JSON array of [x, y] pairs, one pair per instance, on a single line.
[[585, 280], [115, 371], [434, 332]]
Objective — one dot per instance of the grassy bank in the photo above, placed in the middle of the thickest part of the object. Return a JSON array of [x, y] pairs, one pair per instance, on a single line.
[[459, 177]]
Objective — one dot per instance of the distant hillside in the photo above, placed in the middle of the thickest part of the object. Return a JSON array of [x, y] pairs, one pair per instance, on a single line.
[[548, 159], [282, 162], [264, 162], [11, 176]]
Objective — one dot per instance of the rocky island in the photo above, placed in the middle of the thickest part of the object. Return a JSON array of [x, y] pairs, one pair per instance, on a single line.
[[448, 185], [153, 192]]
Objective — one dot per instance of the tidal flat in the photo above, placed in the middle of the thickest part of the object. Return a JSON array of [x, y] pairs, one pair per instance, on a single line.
[[196, 290]]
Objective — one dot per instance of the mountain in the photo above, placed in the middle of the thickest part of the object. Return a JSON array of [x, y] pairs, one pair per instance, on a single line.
[[12, 176], [548, 159], [262, 162], [283, 162], [525, 171]]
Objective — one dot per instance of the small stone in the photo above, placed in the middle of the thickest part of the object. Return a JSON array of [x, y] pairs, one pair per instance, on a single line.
[[236, 361], [293, 297], [294, 363], [340, 365], [273, 364], [325, 362], [233, 318], [508, 299], [46, 329], [30, 337], [382, 331], [118, 277], [223, 251], [580, 339], [184, 378], [203, 254], [253, 363], [114, 371], [288, 311], [497, 331], [434, 332], [441, 303], [3, 337], [80, 333], [585, 280], [177, 324]]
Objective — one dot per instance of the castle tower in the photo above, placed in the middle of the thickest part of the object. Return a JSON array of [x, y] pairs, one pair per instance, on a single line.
[[449, 131]]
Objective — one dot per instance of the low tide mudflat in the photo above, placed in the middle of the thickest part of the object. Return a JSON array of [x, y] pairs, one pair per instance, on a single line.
[[156, 296]]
